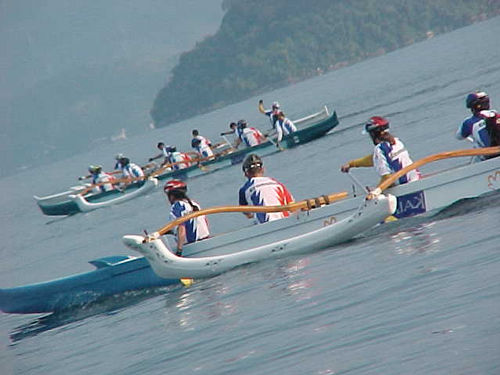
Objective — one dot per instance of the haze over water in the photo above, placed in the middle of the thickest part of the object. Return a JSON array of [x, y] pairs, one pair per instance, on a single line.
[[419, 296]]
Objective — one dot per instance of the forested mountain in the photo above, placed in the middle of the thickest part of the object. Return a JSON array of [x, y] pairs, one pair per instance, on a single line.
[[264, 44]]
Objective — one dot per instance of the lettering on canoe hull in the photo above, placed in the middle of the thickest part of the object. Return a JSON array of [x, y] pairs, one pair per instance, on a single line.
[[411, 204], [331, 220], [494, 180]]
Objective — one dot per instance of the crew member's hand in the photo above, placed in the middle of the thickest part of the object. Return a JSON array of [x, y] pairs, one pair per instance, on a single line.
[[345, 168]]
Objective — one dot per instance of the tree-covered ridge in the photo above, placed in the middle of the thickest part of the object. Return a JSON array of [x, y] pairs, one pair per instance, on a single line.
[[265, 44]]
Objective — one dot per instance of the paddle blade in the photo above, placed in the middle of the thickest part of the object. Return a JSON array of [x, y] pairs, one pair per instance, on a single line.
[[186, 282]]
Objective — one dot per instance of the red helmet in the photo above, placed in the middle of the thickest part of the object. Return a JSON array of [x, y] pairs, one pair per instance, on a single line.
[[376, 124], [174, 185]]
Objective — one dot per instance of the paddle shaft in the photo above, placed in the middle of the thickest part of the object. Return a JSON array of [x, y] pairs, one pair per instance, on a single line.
[[305, 204], [435, 157], [357, 182]]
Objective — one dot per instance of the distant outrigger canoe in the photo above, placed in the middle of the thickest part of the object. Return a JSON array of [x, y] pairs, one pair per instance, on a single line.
[[82, 199], [308, 128]]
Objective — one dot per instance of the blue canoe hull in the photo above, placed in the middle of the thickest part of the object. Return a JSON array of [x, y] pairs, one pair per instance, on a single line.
[[114, 275]]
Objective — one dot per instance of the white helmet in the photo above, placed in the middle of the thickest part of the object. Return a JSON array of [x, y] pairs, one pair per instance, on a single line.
[[276, 105]]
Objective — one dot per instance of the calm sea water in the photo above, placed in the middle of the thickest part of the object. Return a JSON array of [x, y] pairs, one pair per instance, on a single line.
[[419, 296]]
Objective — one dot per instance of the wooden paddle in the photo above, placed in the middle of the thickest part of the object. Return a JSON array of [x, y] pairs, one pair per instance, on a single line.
[[306, 204], [431, 158]]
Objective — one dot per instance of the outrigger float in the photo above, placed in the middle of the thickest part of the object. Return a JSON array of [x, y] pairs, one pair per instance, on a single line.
[[82, 199], [307, 229]]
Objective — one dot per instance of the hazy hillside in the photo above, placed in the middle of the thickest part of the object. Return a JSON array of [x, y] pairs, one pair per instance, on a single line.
[[266, 44], [76, 72]]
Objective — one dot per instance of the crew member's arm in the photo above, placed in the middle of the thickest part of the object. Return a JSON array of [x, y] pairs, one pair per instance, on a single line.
[[261, 107], [243, 202], [155, 157], [366, 161], [181, 238], [383, 178], [279, 131]]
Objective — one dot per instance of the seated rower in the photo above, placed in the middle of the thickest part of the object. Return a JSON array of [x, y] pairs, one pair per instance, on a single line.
[[180, 160], [166, 152], [233, 129], [130, 170], [262, 191], [483, 127], [102, 180], [248, 135], [283, 126], [202, 145], [117, 161], [271, 113], [389, 154], [192, 230]]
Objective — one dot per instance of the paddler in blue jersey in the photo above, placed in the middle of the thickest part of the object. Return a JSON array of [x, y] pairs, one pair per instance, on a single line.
[[102, 180], [129, 169], [484, 124], [283, 126], [166, 152], [202, 145], [389, 154], [192, 230], [271, 113], [259, 190]]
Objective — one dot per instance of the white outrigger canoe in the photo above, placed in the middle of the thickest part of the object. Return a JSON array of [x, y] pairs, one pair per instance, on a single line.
[[296, 234], [83, 199], [84, 205], [321, 227]]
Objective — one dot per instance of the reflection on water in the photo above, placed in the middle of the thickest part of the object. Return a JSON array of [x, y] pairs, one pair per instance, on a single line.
[[219, 298], [417, 239]]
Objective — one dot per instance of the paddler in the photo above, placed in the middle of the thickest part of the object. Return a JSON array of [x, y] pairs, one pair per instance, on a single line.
[[283, 126], [192, 230], [484, 124], [202, 145], [166, 153], [102, 180], [389, 154], [250, 136], [271, 113], [129, 169], [262, 191]]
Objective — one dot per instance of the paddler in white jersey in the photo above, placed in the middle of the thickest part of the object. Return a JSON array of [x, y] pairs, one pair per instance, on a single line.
[[389, 154]]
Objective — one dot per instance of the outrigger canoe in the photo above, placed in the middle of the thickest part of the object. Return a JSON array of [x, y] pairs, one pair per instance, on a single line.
[[84, 200], [308, 128], [300, 232], [292, 235]]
